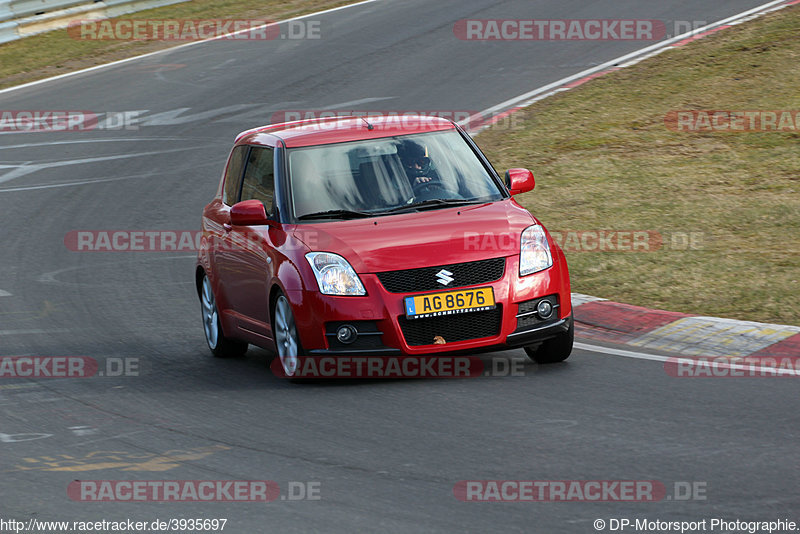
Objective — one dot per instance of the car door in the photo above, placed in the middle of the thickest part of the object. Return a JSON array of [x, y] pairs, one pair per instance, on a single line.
[[249, 250], [216, 225]]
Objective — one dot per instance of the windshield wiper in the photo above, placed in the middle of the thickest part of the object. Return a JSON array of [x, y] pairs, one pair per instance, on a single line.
[[433, 203], [336, 214]]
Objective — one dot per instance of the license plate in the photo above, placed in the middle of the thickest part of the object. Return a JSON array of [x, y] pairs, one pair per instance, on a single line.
[[449, 303]]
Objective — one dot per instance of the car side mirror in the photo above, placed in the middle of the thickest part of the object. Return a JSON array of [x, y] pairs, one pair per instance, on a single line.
[[249, 213], [519, 181]]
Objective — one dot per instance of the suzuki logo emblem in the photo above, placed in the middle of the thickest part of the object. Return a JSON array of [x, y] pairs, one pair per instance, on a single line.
[[444, 277]]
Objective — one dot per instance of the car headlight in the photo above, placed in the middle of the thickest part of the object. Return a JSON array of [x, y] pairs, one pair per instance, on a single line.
[[334, 275], [534, 252]]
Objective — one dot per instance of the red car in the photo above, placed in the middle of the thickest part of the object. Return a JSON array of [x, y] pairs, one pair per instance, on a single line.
[[379, 235]]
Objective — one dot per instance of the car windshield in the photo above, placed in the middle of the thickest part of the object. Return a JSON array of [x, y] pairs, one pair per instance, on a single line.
[[387, 175]]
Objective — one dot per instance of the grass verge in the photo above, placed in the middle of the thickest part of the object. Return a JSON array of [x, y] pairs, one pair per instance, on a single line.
[[605, 159], [52, 53]]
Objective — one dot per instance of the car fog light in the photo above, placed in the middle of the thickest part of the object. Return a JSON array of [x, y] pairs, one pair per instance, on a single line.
[[544, 309], [346, 334]]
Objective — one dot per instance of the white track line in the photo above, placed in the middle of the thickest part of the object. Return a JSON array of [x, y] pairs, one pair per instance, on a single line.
[[172, 49], [504, 105], [619, 352], [18, 171], [36, 331], [629, 59], [718, 363]]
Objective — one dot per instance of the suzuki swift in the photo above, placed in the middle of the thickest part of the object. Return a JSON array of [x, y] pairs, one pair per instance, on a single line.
[[381, 235]]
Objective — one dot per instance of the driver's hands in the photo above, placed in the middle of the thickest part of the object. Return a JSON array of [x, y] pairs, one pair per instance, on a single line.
[[422, 180]]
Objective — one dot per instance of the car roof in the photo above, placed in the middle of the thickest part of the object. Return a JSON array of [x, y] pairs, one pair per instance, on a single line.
[[323, 131]]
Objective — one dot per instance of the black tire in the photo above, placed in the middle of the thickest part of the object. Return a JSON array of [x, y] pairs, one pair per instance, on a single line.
[[220, 346], [556, 349]]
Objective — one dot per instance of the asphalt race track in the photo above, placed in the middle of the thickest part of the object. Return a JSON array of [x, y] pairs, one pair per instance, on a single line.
[[385, 454]]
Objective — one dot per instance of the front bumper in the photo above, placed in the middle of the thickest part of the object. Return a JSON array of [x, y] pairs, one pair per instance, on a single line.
[[383, 315], [539, 333]]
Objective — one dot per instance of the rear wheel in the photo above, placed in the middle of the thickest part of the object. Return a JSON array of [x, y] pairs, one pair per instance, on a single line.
[[286, 338], [221, 346], [556, 349]]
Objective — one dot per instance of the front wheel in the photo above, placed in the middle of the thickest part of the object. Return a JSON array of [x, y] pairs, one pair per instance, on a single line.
[[286, 338], [556, 349], [221, 346]]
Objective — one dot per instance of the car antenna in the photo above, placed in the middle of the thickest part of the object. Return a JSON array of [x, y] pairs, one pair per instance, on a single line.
[[369, 126]]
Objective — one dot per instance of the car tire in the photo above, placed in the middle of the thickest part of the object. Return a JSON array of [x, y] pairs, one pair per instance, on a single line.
[[556, 349], [287, 342], [220, 346]]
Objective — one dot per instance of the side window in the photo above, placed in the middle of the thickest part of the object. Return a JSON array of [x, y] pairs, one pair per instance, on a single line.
[[233, 175], [259, 177]]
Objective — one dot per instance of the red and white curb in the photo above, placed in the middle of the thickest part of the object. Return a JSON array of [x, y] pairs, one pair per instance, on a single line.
[[690, 335]]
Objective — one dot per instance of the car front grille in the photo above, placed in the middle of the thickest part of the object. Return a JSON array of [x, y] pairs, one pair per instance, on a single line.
[[460, 327], [425, 279]]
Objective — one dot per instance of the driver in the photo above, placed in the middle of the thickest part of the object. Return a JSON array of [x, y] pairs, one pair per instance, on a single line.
[[416, 162]]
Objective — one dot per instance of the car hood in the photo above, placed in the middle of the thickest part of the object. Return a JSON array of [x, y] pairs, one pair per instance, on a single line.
[[422, 239]]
